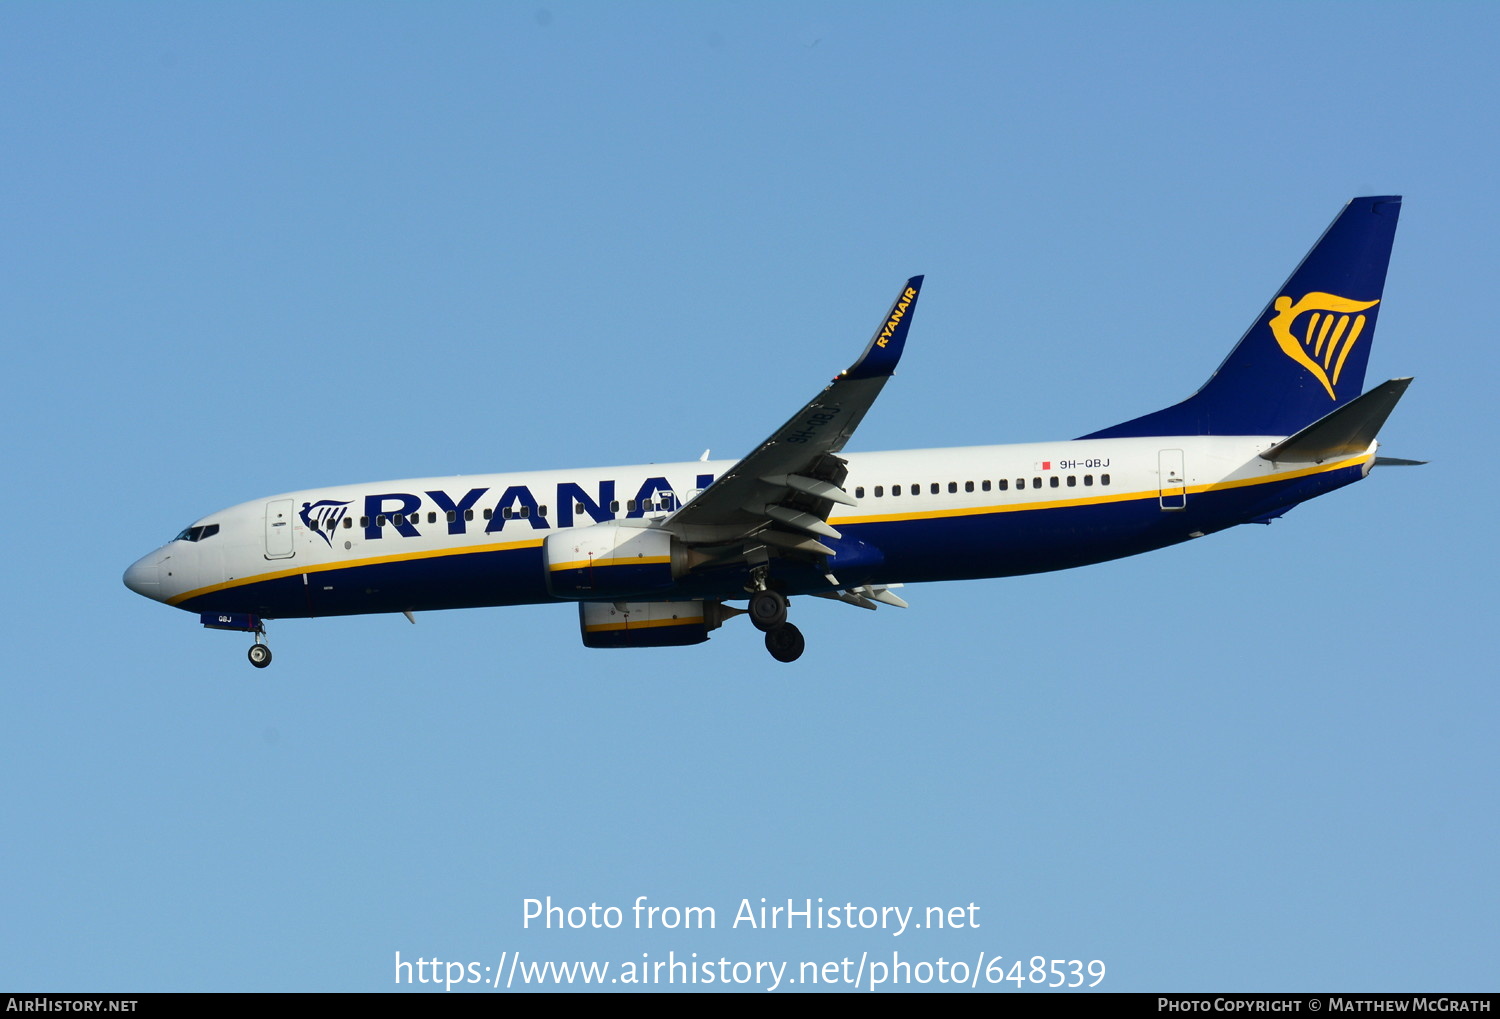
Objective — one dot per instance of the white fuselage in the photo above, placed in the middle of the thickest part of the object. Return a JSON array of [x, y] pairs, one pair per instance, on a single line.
[[948, 513]]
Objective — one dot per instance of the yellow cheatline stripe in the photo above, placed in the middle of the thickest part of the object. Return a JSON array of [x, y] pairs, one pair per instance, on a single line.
[[693, 621], [585, 563], [346, 564], [1095, 500]]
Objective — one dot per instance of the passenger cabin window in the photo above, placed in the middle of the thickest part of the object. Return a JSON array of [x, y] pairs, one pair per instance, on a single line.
[[879, 491], [859, 492], [895, 490], [1004, 484]]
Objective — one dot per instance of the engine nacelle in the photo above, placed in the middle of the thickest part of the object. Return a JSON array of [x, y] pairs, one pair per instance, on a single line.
[[608, 560], [648, 624]]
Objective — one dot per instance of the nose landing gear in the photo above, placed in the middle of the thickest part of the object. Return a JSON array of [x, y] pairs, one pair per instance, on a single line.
[[260, 654]]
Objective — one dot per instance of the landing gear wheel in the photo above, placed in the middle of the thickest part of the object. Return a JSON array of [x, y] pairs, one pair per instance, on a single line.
[[260, 655], [785, 643], [767, 610]]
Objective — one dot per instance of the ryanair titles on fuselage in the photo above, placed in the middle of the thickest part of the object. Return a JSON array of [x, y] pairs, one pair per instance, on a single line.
[[399, 511]]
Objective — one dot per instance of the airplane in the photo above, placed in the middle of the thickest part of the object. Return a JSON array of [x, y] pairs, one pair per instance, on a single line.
[[651, 554]]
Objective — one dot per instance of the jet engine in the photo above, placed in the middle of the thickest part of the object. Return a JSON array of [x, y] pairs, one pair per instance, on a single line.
[[649, 624]]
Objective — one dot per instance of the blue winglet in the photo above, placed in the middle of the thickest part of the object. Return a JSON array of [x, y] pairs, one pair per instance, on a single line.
[[884, 350]]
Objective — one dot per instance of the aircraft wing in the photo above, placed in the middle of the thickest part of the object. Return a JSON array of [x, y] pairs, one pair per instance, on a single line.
[[783, 491]]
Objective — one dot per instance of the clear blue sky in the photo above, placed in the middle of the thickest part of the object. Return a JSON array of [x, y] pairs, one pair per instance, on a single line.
[[251, 247]]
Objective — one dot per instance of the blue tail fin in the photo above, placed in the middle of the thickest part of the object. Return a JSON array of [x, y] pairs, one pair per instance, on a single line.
[[1305, 355]]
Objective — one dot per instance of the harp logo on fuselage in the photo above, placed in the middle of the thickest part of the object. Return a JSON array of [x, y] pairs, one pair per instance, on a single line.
[[1318, 332], [323, 516]]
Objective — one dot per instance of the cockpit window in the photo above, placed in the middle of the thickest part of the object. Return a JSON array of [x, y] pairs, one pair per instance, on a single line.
[[198, 533]]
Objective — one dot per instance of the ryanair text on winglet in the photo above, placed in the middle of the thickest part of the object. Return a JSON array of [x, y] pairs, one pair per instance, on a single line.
[[896, 317]]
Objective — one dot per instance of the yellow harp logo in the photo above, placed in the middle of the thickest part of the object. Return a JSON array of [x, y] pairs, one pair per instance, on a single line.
[[1320, 341]]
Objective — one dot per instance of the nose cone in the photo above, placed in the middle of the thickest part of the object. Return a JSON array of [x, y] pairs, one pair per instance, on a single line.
[[144, 576]]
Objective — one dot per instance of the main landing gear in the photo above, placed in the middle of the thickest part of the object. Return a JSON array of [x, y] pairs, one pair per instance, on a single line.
[[768, 614], [785, 643]]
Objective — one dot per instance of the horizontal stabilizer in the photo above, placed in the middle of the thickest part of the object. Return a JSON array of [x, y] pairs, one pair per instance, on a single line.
[[1343, 432], [1396, 461]]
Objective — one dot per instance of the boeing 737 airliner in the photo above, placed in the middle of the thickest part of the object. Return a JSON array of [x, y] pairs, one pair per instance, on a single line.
[[651, 554]]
